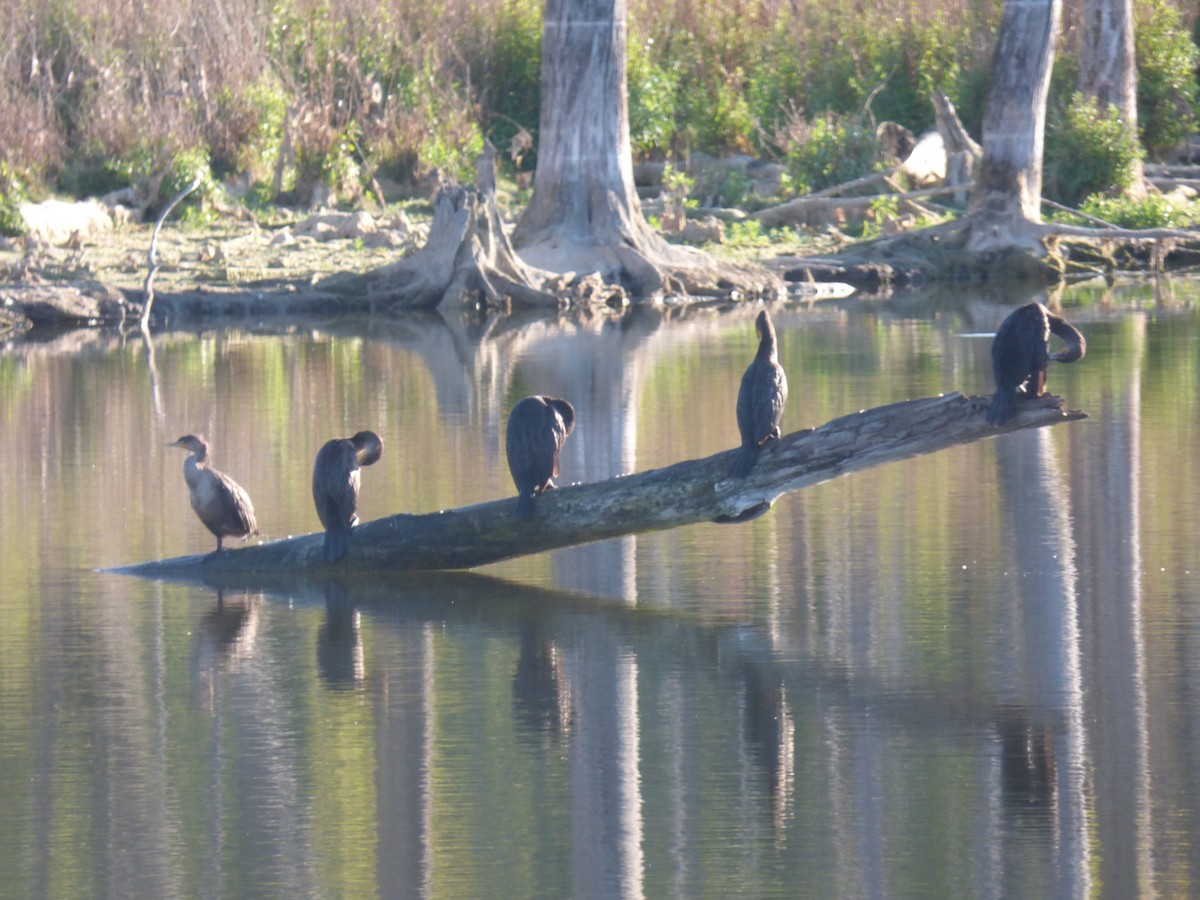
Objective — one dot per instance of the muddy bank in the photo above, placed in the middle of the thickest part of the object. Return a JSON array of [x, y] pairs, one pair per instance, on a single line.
[[232, 269]]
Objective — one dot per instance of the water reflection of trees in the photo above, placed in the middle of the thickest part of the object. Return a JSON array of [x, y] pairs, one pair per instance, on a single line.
[[627, 696], [838, 696]]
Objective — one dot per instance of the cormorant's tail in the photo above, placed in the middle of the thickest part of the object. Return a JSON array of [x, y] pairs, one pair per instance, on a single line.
[[1076, 345], [1003, 406], [337, 542], [524, 505], [744, 461]]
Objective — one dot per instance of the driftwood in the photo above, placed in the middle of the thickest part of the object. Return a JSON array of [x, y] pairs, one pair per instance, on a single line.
[[683, 494]]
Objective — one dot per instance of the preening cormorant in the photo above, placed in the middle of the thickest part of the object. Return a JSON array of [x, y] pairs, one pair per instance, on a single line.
[[220, 502], [537, 429], [1021, 355], [761, 399], [335, 483]]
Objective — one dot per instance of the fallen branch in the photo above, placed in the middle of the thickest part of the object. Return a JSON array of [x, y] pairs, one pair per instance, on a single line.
[[683, 494]]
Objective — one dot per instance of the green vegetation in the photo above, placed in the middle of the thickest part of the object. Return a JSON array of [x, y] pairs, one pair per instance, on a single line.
[[1088, 152], [289, 96], [12, 195], [1154, 211]]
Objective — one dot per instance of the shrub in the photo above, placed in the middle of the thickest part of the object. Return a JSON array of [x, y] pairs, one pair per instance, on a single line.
[[12, 195], [828, 150], [1154, 211], [1088, 152], [652, 90], [1167, 62], [247, 131], [507, 66]]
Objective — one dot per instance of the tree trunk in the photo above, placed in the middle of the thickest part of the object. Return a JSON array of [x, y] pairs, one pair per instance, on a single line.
[[683, 494], [1008, 187], [584, 215], [1108, 66]]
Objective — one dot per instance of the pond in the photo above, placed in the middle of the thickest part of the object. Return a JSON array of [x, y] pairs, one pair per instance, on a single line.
[[971, 674]]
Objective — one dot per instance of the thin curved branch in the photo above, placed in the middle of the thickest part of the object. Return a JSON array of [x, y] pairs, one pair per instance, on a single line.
[[148, 291]]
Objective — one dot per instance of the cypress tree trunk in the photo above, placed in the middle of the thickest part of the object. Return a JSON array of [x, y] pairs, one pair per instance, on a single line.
[[1108, 66], [584, 214], [1008, 187]]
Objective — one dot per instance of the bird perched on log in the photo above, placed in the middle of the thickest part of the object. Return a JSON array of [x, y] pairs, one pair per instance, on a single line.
[[761, 399], [220, 502], [537, 429], [1021, 355], [335, 484]]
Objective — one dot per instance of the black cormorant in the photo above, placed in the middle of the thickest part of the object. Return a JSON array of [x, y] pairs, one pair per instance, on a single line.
[[760, 399], [220, 502], [537, 429], [335, 483], [1021, 355]]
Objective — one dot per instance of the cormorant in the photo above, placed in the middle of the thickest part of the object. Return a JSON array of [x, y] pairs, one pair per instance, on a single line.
[[220, 502], [537, 429], [1021, 355], [760, 399], [335, 483]]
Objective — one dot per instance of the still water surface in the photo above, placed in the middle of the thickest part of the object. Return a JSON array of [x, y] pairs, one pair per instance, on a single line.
[[973, 674]]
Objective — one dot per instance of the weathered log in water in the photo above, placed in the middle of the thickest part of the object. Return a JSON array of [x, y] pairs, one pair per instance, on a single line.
[[682, 494]]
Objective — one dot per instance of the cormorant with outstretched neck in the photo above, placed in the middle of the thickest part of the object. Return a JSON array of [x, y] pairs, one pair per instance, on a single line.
[[335, 484], [1021, 355], [537, 429], [761, 399], [220, 502]]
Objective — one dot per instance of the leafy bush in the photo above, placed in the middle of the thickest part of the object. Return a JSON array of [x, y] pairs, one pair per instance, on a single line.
[[12, 195], [248, 130], [1088, 152], [1167, 62], [1155, 211], [509, 71], [652, 90], [185, 166], [827, 151]]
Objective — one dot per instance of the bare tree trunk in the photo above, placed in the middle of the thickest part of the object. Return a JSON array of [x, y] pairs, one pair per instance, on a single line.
[[583, 187], [686, 493], [584, 215], [1108, 65], [1008, 187]]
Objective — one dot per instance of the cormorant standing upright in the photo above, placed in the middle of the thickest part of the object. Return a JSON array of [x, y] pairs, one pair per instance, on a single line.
[[335, 484], [761, 399], [537, 428], [1021, 355], [220, 502]]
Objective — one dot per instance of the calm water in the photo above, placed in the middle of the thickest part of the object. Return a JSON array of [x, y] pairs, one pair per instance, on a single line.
[[973, 674]]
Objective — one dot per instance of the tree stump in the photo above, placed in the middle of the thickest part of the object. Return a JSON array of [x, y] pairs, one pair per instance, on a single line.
[[467, 257]]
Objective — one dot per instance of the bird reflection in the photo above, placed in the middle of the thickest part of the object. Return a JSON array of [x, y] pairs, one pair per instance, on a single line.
[[339, 641], [225, 636], [1028, 768], [541, 695], [771, 733]]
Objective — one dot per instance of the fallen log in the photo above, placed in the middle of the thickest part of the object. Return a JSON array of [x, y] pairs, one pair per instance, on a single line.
[[682, 494]]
